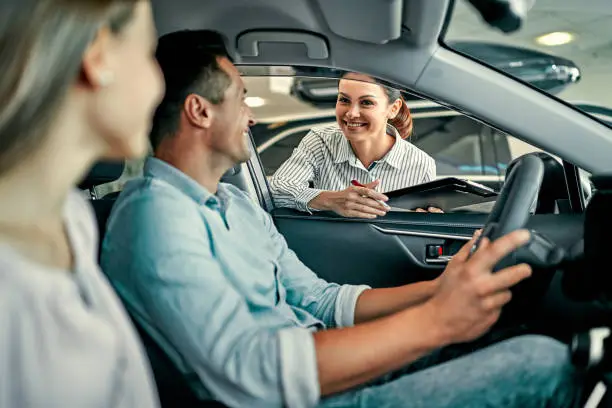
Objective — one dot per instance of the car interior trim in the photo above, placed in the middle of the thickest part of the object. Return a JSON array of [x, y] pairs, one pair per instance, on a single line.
[[421, 234]]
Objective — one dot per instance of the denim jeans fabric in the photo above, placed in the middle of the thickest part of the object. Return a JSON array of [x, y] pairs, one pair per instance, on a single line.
[[526, 371]]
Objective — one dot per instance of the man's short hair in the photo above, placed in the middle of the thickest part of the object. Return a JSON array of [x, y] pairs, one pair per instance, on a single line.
[[189, 62]]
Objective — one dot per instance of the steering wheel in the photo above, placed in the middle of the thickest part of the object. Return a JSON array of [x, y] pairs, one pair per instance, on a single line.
[[516, 199], [511, 212]]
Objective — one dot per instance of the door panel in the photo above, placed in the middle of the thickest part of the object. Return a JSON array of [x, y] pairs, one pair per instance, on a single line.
[[391, 251], [387, 252]]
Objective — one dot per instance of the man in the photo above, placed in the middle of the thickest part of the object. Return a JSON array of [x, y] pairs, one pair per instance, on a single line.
[[203, 269]]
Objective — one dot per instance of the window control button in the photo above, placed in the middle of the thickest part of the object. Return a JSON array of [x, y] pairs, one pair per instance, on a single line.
[[434, 251]]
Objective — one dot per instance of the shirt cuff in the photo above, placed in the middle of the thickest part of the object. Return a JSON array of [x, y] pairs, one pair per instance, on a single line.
[[303, 198], [299, 375], [346, 301]]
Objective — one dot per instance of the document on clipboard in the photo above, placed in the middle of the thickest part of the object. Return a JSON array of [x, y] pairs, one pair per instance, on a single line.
[[447, 194]]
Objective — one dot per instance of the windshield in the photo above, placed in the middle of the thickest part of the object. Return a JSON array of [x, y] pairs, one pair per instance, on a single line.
[[564, 48]]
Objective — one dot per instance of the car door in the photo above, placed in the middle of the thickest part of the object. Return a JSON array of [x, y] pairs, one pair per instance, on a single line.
[[396, 249], [401, 247]]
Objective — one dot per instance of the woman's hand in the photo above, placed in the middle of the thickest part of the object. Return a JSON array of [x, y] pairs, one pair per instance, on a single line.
[[357, 202], [430, 210]]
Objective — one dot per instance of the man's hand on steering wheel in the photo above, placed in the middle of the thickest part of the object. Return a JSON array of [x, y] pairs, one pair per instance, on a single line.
[[470, 297], [509, 215]]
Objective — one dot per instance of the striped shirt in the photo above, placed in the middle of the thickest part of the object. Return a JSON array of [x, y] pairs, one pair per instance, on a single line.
[[324, 160]]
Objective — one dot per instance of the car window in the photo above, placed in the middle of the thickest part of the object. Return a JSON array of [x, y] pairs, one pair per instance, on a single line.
[[455, 142], [275, 154], [462, 147]]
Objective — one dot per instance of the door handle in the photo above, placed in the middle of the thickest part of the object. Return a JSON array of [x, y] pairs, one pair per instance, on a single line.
[[442, 260], [423, 234], [248, 43]]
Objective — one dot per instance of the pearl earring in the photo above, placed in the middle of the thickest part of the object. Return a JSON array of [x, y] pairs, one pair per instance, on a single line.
[[106, 78]]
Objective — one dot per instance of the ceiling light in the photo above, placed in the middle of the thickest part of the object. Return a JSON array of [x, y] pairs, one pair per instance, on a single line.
[[254, 101], [556, 38]]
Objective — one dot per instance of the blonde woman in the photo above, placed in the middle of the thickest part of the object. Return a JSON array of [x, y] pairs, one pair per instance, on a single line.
[[79, 83]]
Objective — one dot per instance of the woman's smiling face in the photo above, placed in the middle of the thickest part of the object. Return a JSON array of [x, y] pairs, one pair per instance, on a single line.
[[362, 108]]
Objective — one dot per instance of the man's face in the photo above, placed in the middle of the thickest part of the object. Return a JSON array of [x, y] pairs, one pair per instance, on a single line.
[[232, 119]]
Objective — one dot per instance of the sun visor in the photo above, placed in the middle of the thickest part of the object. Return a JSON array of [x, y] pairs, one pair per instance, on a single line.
[[370, 21]]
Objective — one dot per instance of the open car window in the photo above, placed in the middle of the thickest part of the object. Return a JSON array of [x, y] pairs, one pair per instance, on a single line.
[[287, 108]]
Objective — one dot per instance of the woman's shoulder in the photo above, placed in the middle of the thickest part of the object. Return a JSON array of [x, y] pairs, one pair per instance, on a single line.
[[44, 322], [324, 133], [22, 282], [32, 290], [322, 138]]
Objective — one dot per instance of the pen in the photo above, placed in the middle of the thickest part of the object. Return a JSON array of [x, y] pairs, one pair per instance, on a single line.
[[358, 184]]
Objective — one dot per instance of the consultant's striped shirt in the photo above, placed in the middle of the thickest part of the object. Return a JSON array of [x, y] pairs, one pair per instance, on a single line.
[[324, 160]]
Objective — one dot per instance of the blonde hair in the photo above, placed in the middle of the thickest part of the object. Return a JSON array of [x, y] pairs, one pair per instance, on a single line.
[[42, 43]]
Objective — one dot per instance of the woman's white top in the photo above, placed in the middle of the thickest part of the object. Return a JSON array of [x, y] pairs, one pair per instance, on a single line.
[[65, 339]]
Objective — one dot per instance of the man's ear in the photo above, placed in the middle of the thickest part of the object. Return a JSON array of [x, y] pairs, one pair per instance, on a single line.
[[198, 111]]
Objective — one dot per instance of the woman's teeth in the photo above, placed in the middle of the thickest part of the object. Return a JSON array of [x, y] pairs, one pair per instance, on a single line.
[[354, 124]]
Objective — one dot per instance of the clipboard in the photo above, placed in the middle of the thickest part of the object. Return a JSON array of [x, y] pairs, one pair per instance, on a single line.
[[447, 194]]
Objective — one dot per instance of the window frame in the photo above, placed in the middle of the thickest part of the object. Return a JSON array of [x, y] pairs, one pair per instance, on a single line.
[[257, 171]]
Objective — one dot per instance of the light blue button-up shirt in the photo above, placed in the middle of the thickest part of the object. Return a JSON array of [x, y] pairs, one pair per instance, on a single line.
[[210, 278]]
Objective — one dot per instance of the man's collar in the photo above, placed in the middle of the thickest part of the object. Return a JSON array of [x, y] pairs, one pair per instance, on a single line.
[[162, 170]]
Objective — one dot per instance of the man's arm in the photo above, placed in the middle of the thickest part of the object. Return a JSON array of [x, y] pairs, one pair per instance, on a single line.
[[188, 296], [467, 303], [376, 303], [337, 305], [419, 318], [331, 303], [166, 265], [352, 356]]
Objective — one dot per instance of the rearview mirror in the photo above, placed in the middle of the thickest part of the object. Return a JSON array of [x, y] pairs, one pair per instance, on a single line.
[[507, 15]]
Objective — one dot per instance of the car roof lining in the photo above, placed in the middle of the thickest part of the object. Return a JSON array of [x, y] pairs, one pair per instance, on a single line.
[[415, 21], [426, 66], [271, 29]]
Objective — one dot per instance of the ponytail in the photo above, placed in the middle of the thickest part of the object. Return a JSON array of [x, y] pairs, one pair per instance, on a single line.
[[403, 120]]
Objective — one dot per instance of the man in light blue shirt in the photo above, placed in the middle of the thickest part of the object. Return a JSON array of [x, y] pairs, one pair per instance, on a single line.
[[204, 271]]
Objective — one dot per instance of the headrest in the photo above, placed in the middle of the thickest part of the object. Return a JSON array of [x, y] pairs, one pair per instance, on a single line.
[[101, 173]]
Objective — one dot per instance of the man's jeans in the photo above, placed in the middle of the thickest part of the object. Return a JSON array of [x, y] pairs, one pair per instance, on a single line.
[[526, 371]]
